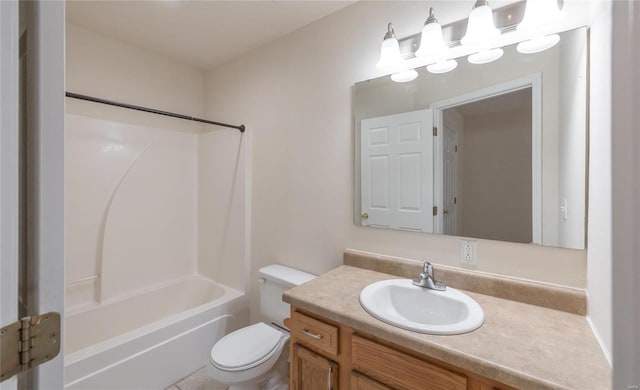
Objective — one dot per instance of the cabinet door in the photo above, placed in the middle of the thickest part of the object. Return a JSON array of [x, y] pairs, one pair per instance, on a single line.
[[361, 382], [310, 371]]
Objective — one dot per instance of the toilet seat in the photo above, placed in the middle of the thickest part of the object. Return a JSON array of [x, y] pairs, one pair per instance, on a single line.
[[247, 347]]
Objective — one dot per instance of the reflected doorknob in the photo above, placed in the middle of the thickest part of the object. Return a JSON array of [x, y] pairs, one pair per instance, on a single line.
[[365, 215], [445, 212]]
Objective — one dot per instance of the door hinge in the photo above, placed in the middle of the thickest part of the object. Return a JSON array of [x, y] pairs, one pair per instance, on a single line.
[[28, 343], [456, 149], [455, 200], [435, 131], [435, 210]]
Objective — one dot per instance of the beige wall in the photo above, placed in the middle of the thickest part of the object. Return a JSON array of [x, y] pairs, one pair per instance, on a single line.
[[295, 95], [496, 175], [222, 196], [600, 158], [102, 67]]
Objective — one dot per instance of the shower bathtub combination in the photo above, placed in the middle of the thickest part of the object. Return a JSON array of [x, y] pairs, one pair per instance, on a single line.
[[152, 282]]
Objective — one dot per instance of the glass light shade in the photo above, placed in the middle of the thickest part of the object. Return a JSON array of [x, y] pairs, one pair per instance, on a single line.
[[390, 57], [480, 27], [431, 41], [485, 56], [404, 76], [538, 44], [442, 66], [538, 14]]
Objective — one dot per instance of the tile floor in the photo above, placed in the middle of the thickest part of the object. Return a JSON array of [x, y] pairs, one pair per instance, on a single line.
[[199, 380]]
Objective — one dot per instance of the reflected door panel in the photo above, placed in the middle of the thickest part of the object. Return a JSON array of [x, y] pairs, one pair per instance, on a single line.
[[397, 162]]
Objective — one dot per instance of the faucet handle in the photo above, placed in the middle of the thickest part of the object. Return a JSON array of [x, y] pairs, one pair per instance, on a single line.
[[427, 268]]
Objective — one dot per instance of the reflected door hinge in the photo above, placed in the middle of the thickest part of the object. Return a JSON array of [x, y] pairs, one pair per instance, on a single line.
[[456, 148], [28, 343], [435, 210], [435, 131]]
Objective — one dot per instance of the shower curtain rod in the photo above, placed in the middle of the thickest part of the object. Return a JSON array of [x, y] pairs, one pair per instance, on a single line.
[[150, 110]]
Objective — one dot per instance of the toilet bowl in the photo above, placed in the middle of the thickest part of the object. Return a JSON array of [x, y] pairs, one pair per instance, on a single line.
[[246, 358], [243, 359]]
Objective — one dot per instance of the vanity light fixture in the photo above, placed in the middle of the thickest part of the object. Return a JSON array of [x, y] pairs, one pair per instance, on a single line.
[[433, 48], [482, 41], [390, 57], [538, 15]]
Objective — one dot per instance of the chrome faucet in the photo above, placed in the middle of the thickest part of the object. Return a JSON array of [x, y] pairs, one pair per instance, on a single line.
[[426, 279]]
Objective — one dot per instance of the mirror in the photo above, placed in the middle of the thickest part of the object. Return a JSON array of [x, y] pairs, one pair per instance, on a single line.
[[494, 151]]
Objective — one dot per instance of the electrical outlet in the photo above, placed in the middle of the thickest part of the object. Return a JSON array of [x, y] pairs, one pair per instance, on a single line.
[[468, 252]]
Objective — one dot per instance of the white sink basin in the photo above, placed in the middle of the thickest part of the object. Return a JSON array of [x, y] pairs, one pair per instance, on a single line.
[[398, 302]]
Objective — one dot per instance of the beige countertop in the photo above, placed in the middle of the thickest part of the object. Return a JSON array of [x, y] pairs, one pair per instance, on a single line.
[[520, 345]]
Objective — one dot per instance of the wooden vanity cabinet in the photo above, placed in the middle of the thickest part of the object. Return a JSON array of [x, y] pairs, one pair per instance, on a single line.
[[329, 355], [310, 371]]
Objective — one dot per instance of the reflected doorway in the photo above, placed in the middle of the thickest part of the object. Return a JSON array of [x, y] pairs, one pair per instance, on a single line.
[[487, 168]]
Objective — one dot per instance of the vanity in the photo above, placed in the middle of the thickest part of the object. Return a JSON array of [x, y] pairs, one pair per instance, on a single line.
[[542, 343]]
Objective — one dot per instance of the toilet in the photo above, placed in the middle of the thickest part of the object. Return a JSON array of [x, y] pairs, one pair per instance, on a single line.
[[244, 359]]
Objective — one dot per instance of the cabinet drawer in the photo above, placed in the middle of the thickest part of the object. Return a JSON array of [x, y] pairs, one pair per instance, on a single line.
[[314, 333], [401, 371]]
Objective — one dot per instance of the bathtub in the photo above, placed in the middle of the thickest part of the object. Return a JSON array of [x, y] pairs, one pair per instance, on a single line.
[[150, 339]]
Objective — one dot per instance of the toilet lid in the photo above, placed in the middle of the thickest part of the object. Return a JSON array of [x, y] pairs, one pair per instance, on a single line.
[[246, 347]]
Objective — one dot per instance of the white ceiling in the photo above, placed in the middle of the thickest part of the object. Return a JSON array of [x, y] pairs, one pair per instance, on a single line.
[[200, 33]]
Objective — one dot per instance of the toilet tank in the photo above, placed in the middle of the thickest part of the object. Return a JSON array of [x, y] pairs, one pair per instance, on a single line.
[[274, 280]]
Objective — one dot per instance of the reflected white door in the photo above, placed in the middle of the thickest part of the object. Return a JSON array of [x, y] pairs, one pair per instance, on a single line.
[[450, 185], [397, 171]]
